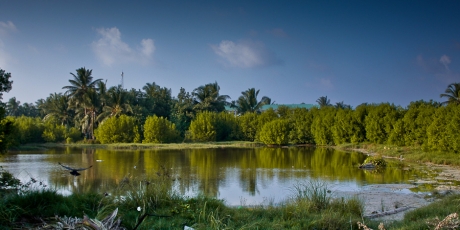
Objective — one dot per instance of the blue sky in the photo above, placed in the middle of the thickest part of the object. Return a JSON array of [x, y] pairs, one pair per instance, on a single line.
[[293, 51]]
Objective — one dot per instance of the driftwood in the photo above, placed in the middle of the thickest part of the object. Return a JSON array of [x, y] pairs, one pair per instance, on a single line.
[[386, 213]]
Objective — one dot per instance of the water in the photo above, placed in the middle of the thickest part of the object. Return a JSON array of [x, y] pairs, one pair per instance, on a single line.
[[239, 176]]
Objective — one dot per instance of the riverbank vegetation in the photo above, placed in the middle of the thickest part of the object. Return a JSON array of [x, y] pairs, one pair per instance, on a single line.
[[149, 203], [90, 112]]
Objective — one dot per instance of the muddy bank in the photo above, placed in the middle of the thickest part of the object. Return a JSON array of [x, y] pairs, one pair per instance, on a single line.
[[389, 202]]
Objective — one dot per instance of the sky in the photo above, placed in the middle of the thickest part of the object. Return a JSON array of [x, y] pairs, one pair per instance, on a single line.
[[292, 51]]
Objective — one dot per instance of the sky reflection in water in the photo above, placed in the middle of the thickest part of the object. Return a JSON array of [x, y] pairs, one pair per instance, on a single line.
[[239, 176]]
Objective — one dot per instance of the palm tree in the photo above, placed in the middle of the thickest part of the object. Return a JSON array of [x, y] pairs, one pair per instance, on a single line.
[[452, 93], [87, 111], [12, 107], [57, 106], [207, 98], [80, 85], [117, 103], [247, 102], [323, 101], [341, 105], [158, 100]]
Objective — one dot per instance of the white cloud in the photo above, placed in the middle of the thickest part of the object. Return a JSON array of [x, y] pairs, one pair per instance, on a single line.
[[445, 60], [5, 57], [6, 27], [245, 54], [111, 49]]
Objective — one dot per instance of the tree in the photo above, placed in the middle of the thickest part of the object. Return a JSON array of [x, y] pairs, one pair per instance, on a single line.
[[117, 103], [57, 106], [5, 83], [275, 132], [123, 129], [452, 93], [6, 126], [323, 102], [80, 85], [158, 100], [12, 107], [159, 130], [247, 102], [207, 98], [341, 105]]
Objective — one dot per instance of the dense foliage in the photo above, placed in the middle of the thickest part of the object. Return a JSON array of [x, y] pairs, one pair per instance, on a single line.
[[160, 130], [123, 129], [89, 109]]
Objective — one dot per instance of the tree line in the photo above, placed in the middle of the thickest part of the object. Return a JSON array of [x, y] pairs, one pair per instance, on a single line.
[[90, 111]]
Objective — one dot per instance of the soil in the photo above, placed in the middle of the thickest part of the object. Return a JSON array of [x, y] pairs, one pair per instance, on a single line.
[[389, 202]]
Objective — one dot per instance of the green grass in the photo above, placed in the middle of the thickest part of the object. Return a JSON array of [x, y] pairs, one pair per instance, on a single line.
[[310, 207], [135, 146], [410, 154]]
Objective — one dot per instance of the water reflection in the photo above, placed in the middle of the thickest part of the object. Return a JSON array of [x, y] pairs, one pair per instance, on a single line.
[[252, 175]]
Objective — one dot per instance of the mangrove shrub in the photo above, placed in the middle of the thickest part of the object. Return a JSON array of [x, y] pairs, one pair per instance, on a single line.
[[160, 130], [123, 129], [275, 132]]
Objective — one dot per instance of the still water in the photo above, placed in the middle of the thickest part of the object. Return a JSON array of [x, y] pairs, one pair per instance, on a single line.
[[249, 176]]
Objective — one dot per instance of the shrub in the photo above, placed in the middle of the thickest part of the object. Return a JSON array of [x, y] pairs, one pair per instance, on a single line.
[[248, 126], [30, 129], [300, 133], [117, 130], [275, 132], [210, 126], [159, 130], [203, 127]]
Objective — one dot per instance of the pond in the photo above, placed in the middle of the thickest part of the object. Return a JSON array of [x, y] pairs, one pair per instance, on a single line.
[[239, 176]]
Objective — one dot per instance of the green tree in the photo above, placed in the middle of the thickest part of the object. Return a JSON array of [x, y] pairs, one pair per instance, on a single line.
[[249, 126], [275, 132], [5, 82], [158, 100], [203, 127], [57, 106], [182, 111], [323, 121], [248, 102], [7, 128], [12, 107], [301, 120], [452, 94], [323, 101], [80, 85], [123, 129], [160, 130], [208, 98], [116, 103]]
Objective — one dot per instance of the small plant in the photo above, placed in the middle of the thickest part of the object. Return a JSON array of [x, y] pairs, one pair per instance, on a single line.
[[377, 161]]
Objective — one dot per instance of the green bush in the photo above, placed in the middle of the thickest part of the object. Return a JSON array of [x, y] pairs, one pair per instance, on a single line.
[[121, 129], [203, 127], [323, 121], [160, 130], [275, 132], [53, 132], [248, 125], [301, 120], [211, 126], [30, 129]]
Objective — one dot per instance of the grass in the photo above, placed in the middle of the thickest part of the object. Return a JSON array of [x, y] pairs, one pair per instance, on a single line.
[[411, 154], [134, 146], [151, 204]]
